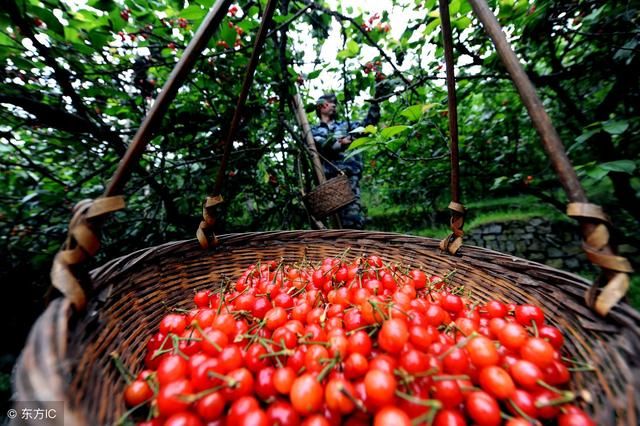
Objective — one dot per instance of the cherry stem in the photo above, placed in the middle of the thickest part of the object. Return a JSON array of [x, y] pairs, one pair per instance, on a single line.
[[535, 328], [159, 351], [581, 364], [230, 382], [461, 344], [284, 352], [551, 388], [196, 396], [377, 309], [327, 368], [205, 337], [522, 413], [431, 403], [358, 403], [566, 397], [442, 377], [122, 369], [152, 381], [364, 327], [125, 416], [313, 342], [175, 340]]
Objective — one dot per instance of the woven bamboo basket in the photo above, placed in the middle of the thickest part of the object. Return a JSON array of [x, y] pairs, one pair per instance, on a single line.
[[67, 355], [330, 196]]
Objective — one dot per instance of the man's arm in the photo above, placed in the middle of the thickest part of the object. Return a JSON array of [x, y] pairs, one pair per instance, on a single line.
[[325, 142]]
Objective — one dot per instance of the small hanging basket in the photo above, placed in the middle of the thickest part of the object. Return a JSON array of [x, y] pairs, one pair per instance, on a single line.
[[330, 196]]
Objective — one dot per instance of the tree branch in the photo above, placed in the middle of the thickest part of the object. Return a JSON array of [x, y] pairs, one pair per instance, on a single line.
[[367, 37]]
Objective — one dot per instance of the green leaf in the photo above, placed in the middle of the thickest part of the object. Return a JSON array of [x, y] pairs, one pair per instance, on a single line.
[[195, 11], [454, 7], [623, 166], [371, 129], [351, 50], [387, 132], [22, 63], [615, 127], [431, 26], [6, 41], [353, 47], [117, 23], [48, 18], [105, 5], [498, 182], [586, 135], [313, 74], [71, 34], [462, 22], [282, 18], [359, 142], [413, 113], [597, 173], [98, 38]]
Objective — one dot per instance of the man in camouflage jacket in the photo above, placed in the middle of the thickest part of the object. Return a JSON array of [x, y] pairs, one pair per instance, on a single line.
[[332, 138]]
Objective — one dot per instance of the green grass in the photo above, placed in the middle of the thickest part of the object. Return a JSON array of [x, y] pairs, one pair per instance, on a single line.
[[501, 216], [404, 219], [519, 201], [437, 233]]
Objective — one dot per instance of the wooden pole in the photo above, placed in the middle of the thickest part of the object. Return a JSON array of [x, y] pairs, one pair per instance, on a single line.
[[301, 116], [591, 218], [178, 75]]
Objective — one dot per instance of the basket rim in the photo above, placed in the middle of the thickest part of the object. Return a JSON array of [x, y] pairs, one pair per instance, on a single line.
[[47, 335], [621, 313], [239, 238]]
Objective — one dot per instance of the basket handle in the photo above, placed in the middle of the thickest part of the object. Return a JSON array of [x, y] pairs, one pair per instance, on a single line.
[[204, 233], [82, 237], [453, 241], [593, 222]]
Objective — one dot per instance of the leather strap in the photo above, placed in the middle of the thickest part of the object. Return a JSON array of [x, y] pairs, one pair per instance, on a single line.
[[588, 210], [453, 241], [205, 236], [457, 207], [616, 268], [82, 242]]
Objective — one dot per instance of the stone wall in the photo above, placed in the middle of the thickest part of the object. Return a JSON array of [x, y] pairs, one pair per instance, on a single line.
[[557, 244]]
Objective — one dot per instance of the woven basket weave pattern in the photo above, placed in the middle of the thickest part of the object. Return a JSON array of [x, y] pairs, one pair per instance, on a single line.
[[330, 196], [135, 291]]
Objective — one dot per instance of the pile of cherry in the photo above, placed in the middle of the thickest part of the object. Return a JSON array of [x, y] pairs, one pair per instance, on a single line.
[[355, 342]]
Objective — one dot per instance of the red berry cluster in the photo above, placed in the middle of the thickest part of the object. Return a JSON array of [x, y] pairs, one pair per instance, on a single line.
[[233, 10], [369, 25], [125, 14], [374, 67], [354, 342]]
